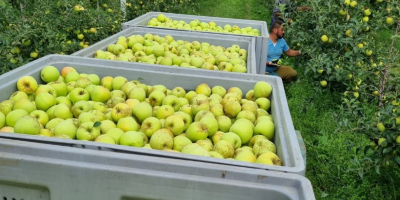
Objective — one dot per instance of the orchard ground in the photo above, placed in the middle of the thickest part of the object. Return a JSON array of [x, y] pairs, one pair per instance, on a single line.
[[331, 167]]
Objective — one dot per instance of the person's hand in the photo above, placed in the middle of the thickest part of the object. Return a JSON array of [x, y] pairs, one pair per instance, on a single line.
[[271, 63]]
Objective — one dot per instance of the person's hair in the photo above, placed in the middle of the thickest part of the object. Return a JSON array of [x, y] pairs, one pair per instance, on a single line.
[[276, 24]]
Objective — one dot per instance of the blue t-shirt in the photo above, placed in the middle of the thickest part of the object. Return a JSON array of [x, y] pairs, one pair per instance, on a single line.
[[275, 51]]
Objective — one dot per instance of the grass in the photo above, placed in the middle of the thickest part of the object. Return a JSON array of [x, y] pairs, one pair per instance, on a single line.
[[329, 144]]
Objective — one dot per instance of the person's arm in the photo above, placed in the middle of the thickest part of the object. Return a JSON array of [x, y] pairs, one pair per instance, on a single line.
[[292, 53]]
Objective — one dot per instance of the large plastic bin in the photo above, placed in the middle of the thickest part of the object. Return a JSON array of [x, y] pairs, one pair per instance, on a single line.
[[41, 171], [261, 41], [247, 43], [285, 139]]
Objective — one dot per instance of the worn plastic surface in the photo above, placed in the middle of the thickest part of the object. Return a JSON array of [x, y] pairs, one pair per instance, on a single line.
[[41, 171], [285, 139], [247, 43], [261, 41]]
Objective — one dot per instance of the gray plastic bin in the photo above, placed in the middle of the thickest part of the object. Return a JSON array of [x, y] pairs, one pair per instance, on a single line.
[[42, 171], [286, 142], [261, 41], [247, 43]]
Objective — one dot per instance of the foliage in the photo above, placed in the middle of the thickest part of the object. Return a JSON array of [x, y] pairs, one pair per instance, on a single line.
[[339, 44], [54, 27]]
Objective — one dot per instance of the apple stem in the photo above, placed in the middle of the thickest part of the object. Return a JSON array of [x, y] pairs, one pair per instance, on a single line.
[[386, 70]]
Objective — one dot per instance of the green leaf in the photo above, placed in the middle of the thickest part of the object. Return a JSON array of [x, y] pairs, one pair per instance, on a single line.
[[96, 124], [377, 168]]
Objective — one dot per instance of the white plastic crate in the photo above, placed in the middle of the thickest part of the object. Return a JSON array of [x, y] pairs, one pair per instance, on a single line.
[[285, 139], [43, 171], [247, 43], [261, 41]]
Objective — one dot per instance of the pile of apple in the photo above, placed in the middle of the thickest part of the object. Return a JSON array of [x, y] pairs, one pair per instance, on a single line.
[[196, 25], [214, 122], [154, 49]]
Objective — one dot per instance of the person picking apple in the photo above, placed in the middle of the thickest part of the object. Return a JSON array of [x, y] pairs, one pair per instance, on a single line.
[[276, 46]]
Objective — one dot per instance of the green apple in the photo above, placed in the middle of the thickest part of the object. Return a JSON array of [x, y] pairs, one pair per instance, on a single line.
[[52, 123], [79, 94], [262, 146], [107, 82], [215, 154], [25, 104], [211, 124], [250, 106], [60, 87], [105, 139], [2, 120], [203, 89], [44, 101], [161, 140], [164, 111], [45, 89], [232, 107], [180, 142], [87, 117], [197, 131], [7, 129], [132, 138], [114, 101], [205, 144], [17, 95], [80, 107], [62, 111], [46, 132], [381, 127], [266, 128], [246, 156], [142, 111], [118, 81], [120, 110], [127, 124], [175, 124], [50, 112], [27, 125], [269, 158], [254, 139], [118, 93], [195, 149], [99, 106], [156, 97], [243, 128], [94, 78], [88, 131], [66, 127], [150, 125], [199, 105], [27, 84], [187, 119], [107, 125], [224, 148], [71, 76], [216, 137], [245, 114], [6, 106], [201, 114], [224, 123], [173, 101], [218, 90], [115, 133], [232, 138], [138, 93], [262, 89]]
